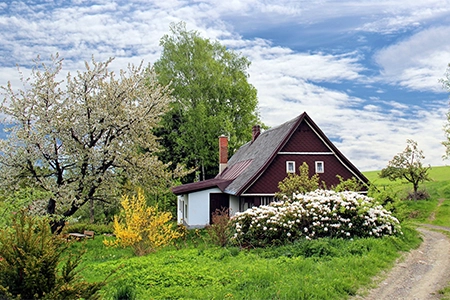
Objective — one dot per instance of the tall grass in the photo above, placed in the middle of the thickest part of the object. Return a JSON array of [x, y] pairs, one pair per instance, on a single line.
[[318, 269]]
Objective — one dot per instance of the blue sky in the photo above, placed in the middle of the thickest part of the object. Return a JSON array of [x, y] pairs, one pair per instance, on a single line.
[[367, 72]]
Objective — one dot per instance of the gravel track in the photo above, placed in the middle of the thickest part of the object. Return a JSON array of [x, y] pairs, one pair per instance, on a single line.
[[420, 273]]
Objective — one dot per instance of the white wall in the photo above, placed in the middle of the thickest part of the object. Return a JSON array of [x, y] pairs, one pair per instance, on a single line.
[[197, 214], [234, 205], [198, 208]]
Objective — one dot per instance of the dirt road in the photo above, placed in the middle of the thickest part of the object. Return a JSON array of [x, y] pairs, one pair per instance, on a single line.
[[421, 273]]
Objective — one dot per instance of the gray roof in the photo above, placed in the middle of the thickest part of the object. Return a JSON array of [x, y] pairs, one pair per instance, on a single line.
[[250, 161], [261, 151]]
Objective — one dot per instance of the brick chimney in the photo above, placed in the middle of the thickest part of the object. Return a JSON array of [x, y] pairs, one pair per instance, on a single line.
[[223, 153], [256, 130]]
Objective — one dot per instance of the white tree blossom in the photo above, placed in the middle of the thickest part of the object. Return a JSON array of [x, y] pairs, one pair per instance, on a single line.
[[82, 137]]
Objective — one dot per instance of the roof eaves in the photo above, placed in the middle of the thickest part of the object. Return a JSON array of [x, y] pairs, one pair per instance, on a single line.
[[201, 185]]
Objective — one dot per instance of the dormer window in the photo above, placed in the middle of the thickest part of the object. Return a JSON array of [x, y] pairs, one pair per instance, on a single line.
[[320, 167], [290, 167]]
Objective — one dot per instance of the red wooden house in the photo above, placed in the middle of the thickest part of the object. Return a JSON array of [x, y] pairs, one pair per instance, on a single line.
[[252, 174]]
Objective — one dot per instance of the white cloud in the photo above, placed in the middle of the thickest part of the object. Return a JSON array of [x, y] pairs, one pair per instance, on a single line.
[[419, 61], [391, 16], [368, 130], [371, 138], [369, 135], [309, 67]]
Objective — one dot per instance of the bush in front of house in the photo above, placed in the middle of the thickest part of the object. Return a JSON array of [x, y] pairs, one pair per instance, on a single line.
[[317, 214], [141, 227], [218, 231]]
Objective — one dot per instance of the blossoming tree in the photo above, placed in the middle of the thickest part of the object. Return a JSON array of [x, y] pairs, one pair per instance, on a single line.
[[81, 137], [408, 166]]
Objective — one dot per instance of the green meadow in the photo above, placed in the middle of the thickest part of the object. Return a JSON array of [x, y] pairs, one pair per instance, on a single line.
[[434, 211], [317, 269]]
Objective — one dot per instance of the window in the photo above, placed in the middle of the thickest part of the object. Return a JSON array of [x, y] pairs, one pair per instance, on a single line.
[[290, 166], [319, 167]]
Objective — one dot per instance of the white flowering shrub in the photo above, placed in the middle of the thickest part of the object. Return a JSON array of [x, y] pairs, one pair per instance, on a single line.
[[317, 214]]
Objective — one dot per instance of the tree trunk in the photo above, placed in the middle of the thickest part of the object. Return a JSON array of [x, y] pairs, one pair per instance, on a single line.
[[56, 224], [416, 188], [51, 207], [91, 211]]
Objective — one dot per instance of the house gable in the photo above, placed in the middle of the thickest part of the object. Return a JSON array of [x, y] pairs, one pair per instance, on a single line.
[[304, 139], [305, 143]]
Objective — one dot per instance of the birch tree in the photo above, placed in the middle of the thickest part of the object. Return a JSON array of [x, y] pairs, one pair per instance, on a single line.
[[213, 97], [80, 138]]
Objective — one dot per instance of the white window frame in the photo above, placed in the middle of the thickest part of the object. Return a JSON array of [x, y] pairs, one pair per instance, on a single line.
[[288, 163], [317, 165]]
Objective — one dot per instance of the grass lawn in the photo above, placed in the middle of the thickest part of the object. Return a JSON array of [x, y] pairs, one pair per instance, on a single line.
[[320, 269]]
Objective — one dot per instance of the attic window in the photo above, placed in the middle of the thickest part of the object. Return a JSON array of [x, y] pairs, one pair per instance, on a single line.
[[320, 167], [290, 167]]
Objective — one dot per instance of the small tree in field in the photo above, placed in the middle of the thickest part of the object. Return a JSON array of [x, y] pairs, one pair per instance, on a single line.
[[142, 227], [295, 184], [407, 165]]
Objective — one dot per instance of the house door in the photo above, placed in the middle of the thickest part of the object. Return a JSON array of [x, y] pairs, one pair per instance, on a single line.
[[217, 201]]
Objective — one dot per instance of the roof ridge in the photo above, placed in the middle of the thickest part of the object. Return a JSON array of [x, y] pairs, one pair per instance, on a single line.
[[284, 124]]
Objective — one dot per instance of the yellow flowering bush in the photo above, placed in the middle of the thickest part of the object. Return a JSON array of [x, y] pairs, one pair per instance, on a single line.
[[142, 227]]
